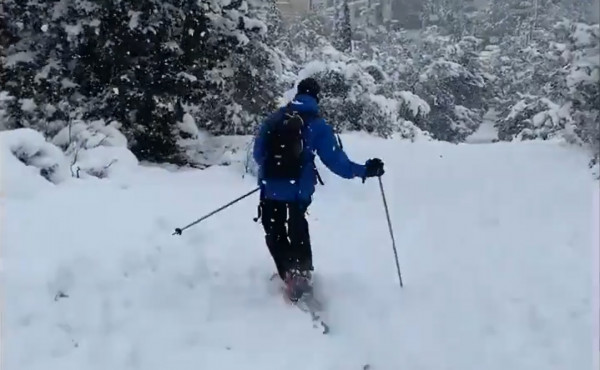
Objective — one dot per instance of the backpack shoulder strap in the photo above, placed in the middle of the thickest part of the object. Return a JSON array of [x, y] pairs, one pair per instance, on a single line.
[[306, 116]]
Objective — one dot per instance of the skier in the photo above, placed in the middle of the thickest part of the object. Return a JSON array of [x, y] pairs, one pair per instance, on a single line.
[[284, 150]]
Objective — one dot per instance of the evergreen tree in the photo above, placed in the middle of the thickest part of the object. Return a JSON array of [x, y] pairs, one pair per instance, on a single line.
[[162, 72], [343, 40], [368, 22], [452, 17], [143, 63]]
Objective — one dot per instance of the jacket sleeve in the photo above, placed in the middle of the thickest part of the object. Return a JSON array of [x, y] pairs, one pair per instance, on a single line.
[[334, 157]]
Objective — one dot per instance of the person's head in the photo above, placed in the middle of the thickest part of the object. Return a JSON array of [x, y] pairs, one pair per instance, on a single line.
[[309, 86]]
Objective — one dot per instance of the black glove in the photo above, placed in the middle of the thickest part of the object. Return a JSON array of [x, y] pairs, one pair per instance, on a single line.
[[374, 167]]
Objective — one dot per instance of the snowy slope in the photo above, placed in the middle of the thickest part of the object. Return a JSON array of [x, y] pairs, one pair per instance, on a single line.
[[487, 132], [496, 245]]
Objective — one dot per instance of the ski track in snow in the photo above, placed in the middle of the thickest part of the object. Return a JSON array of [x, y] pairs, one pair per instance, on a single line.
[[494, 245]]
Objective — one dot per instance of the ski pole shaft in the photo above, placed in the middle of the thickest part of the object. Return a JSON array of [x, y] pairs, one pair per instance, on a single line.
[[178, 231], [387, 213]]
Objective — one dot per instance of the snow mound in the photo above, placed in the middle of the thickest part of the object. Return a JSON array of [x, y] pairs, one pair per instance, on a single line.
[[29, 162]]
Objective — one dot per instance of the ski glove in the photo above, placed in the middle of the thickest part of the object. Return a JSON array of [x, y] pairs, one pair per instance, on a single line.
[[373, 167]]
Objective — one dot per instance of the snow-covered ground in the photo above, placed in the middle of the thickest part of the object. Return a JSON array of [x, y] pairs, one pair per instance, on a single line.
[[498, 248]]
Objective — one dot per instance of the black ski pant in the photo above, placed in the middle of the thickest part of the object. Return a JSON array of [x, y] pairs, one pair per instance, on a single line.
[[287, 235]]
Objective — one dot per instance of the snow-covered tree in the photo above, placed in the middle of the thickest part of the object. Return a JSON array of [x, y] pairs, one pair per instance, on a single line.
[[343, 28], [167, 73], [452, 16], [353, 100], [583, 81], [5, 98], [451, 79], [551, 87], [143, 63]]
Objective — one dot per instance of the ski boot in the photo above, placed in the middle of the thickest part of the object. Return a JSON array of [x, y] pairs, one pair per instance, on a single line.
[[297, 283]]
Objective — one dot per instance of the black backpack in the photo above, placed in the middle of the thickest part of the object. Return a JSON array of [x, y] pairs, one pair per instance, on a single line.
[[284, 146]]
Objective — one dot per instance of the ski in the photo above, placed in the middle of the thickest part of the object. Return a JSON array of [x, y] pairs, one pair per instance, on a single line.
[[308, 304]]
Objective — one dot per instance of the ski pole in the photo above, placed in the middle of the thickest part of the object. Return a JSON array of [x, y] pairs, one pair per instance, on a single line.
[[178, 231], [387, 213]]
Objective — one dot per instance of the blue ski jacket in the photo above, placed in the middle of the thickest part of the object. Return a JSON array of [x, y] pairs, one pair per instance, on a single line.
[[319, 139]]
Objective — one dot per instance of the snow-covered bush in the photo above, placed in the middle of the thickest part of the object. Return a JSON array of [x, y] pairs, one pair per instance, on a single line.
[[535, 117], [412, 107], [95, 148], [89, 134], [29, 147]]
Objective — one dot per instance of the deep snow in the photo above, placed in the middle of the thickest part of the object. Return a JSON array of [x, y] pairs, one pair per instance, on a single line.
[[498, 248]]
